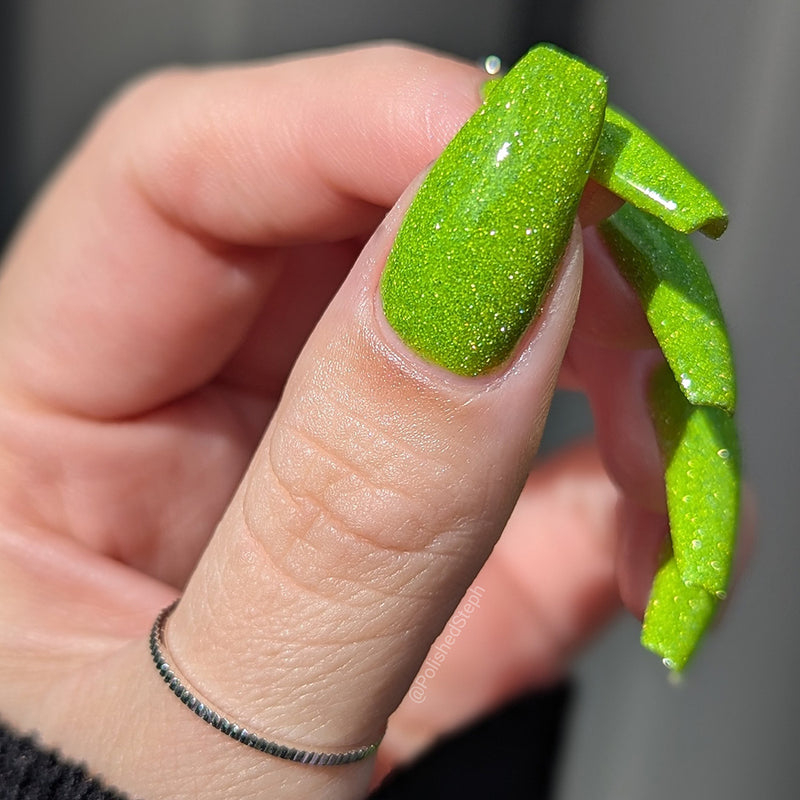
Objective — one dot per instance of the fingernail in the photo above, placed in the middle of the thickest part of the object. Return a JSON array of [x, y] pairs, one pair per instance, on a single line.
[[676, 618], [679, 300], [700, 450], [478, 247], [638, 169]]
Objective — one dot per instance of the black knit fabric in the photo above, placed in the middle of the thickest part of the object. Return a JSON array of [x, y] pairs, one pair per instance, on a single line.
[[29, 772]]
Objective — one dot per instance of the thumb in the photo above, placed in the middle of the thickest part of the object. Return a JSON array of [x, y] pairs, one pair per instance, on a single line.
[[396, 456]]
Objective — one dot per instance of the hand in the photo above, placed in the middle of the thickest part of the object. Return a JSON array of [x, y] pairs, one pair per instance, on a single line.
[[151, 309]]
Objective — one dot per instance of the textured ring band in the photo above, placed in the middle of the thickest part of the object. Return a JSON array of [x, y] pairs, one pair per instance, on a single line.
[[205, 712]]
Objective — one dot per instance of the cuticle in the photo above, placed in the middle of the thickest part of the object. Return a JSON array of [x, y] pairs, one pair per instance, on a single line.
[[436, 376]]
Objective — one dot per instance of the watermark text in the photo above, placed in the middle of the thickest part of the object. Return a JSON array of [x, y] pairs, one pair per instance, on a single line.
[[444, 643]]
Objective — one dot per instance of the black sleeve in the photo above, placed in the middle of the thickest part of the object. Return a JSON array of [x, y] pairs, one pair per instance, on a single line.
[[29, 772]]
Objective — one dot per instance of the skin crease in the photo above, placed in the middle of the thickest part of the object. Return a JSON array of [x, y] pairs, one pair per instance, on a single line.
[[128, 418]]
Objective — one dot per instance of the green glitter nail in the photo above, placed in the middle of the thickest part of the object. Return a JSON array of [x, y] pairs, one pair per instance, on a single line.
[[638, 169], [477, 250], [700, 450], [676, 618], [680, 303]]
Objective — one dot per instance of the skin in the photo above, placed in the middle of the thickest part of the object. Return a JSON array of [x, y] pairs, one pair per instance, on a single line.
[[151, 307]]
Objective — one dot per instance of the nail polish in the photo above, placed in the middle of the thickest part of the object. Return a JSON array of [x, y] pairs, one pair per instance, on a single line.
[[700, 451], [676, 618], [477, 250], [679, 300], [633, 165]]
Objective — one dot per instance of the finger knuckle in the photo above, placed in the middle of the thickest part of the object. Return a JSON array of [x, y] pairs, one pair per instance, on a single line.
[[344, 506]]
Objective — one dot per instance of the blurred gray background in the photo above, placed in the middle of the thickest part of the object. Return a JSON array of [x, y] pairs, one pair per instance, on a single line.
[[717, 79]]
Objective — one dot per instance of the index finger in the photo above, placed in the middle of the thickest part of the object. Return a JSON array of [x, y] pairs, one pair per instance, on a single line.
[[150, 257]]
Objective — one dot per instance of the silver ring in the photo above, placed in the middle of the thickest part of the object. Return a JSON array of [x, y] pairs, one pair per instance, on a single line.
[[202, 709]]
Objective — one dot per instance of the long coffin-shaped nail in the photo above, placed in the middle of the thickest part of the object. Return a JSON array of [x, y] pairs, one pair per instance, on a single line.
[[636, 167], [676, 618], [478, 247], [679, 300], [700, 450]]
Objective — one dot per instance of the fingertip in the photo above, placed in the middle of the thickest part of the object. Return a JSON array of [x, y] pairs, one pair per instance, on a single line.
[[597, 204], [616, 383], [610, 313], [270, 152], [642, 534]]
